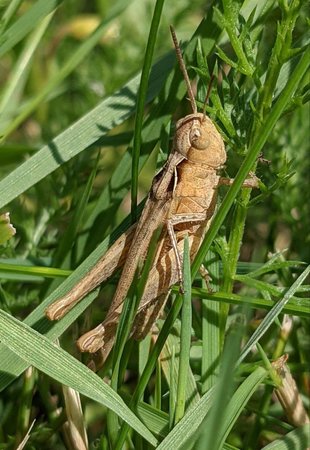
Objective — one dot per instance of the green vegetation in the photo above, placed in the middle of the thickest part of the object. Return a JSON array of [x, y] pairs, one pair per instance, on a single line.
[[73, 151]]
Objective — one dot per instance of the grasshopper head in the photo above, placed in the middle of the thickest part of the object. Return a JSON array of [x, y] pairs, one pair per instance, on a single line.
[[198, 140]]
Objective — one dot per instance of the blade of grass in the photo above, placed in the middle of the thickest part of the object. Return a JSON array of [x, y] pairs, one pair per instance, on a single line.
[[19, 73], [184, 430], [172, 385], [66, 69], [41, 353], [26, 23], [124, 326], [214, 437], [170, 368], [79, 136], [158, 387], [48, 272], [151, 363], [223, 390], [11, 9], [185, 341], [272, 315], [69, 235], [13, 366], [272, 266], [141, 97], [297, 307], [297, 439], [211, 336]]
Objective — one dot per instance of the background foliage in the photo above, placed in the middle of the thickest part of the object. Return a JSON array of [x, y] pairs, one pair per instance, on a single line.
[[67, 118]]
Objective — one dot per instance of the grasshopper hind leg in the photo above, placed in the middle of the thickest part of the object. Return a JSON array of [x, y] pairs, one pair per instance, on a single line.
[[146, 318]]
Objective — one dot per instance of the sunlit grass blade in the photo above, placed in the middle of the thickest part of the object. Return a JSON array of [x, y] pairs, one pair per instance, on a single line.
[[297, 439], [141, 97], [34, 271], [65, 70], [40, 352], [224, 387], [12, 90], [8, 14], [185, 338], [125, 324], [13, 366], [215, 437], [151, 363], [272, 315], [297, 306], [170, 364], [78, 217], [211, 335], [184, 431], [22, 26], [78, 137]]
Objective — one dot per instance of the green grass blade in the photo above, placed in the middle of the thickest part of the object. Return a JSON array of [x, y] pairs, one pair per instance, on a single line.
[[185, 341], [297, 306], [187, 427], [297, 439], [125, 323], [66, 69], [26, 23], [82, 134], [211, 342], [69, 235], [272, 266], [48, 272], [272, 315], [224, 388], [170, 366], [13, 366], [11, 9], [41, 353], [151, 363], [11, 92], [259, 285], [141, 104], [215, 438]]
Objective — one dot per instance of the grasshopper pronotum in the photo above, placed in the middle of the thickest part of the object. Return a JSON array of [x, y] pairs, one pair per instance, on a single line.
[[182, 199]]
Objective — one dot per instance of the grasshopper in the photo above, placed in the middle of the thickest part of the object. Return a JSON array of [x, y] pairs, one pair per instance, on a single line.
[[182, 200]]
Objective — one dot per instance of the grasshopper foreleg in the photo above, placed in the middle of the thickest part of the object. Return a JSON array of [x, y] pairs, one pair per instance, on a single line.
[[251, 182]]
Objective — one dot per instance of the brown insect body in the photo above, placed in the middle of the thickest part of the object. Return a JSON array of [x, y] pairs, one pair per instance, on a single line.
[[187, 206], [182, 198]]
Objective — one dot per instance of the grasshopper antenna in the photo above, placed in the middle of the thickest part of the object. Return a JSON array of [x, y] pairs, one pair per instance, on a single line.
[[208, 95], [183, 70]]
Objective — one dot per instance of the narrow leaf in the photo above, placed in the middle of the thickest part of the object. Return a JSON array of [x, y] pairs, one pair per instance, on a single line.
[[38, 351]]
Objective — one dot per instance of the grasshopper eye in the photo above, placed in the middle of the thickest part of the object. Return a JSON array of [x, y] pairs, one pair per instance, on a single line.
[[198, 138]]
